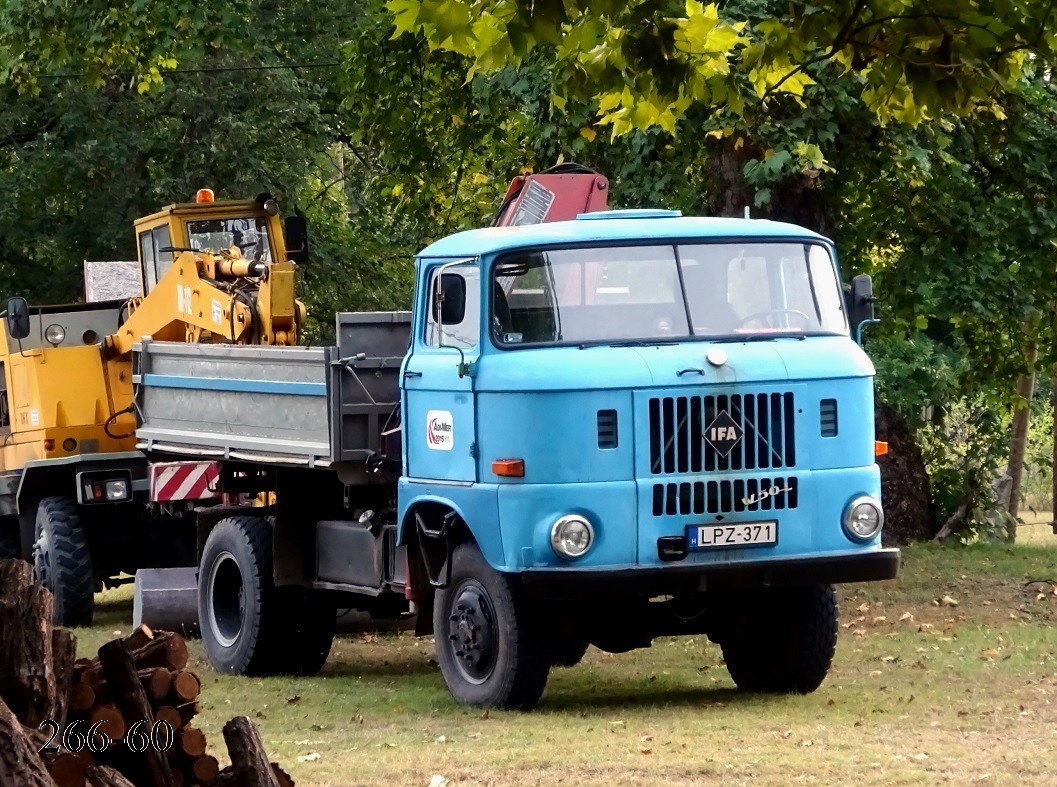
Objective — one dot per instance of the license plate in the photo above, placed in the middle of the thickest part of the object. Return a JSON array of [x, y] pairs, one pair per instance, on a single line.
[[742, 534]]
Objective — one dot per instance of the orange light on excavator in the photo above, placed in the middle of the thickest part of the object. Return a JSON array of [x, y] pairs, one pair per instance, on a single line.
[[880, 448], [204, 195]]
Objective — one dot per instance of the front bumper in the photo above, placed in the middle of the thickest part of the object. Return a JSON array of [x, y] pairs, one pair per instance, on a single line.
[[867, 566]]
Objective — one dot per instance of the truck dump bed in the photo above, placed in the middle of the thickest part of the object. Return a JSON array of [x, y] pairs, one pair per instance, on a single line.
[[287, 405]]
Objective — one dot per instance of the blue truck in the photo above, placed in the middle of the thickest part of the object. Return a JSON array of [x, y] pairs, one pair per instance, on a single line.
[[599, 431]]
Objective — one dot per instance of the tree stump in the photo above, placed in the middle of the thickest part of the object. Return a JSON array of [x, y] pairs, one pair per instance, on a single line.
[[19, 762]]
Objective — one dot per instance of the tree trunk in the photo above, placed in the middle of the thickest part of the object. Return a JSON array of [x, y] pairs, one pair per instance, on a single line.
[[1019, 443], [1053, 466], [905, 489], [797, 198]]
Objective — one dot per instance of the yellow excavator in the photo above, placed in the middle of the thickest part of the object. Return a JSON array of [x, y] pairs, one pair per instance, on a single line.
[[73, 487]]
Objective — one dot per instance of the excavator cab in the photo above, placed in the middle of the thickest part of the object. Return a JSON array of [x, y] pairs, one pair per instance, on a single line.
[[249, 226]]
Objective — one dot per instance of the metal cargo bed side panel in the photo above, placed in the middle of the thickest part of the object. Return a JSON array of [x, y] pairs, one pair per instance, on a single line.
[[236, 401], [371, 346]]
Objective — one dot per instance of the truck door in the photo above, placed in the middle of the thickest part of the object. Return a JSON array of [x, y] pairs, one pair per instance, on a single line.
[[440, 418]]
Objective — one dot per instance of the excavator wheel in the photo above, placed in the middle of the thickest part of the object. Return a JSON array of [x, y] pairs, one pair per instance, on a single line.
[[62, 561]]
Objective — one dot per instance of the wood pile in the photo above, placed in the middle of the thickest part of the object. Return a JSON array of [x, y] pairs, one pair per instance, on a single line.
[[122, 719]]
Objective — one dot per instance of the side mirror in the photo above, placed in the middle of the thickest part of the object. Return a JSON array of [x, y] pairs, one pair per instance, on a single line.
[[17, 318], [295, 231], [449, 300], [860, 303]]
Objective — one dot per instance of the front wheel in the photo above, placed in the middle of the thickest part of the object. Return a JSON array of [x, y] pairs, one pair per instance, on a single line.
[[62, 561], [490, 647], [782, 640]]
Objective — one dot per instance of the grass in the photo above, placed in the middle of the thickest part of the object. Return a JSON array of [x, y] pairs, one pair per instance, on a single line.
[[921, 691]]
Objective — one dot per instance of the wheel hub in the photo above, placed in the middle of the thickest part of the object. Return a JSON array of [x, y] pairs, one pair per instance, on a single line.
[[472, 632], [227, 599], [42, 561]]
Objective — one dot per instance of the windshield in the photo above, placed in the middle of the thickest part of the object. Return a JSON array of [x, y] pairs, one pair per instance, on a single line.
[[248, 234], [664, 293]]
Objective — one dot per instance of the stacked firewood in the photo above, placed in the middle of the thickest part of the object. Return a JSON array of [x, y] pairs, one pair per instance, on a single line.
[[122, 719]]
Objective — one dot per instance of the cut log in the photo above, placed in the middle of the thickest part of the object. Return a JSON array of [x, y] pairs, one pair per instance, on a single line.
[[185, 686], [88, 674], [281, 776], [14, 574], [64, 652], [110, 720], [192, 742], [120, 674], [82, 697], [27, 679], [105, 776], [248, 758], [189, 710], [205, 769], [157, 681], [19, 762], [167, 649], [69, 770], [140, 637], [169, 714]]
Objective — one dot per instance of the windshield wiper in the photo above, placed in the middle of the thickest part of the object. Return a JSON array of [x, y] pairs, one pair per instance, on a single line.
[[766, 337], [629, 343]]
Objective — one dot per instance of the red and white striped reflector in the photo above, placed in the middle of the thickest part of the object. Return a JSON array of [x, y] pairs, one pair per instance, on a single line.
[[184, 481]]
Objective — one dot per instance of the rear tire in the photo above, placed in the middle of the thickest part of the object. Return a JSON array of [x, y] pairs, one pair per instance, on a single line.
[[783, 640], [491, 650], [62, 561], [250, 627]]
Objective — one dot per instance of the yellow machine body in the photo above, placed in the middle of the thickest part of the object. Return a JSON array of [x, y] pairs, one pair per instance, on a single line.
[[73, 396]]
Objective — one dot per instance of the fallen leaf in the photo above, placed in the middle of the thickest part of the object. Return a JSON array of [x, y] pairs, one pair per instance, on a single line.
[[438, 781], [920, 756], [879, 619], [863, 608], [294, 699], [949, 601], [647, 751], [311, 757], [260, 715], [441, 739], [905, 617]]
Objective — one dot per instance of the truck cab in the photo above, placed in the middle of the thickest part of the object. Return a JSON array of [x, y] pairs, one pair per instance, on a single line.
[[638, 405]]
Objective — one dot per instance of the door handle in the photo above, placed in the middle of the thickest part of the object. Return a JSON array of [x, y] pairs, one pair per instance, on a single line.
[[409, 374]]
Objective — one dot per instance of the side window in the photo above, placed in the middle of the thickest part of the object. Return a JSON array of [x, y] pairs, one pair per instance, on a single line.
[[454, 310], [146, 257], [162, 259]]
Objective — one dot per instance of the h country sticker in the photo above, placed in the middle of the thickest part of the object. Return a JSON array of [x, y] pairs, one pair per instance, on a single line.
[[440, 430]]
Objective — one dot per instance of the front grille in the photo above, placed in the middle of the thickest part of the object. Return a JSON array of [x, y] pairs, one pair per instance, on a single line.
[[725, 497], [678, 423]]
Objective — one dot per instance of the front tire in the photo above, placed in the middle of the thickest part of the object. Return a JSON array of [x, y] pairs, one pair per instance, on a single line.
[[62, 561], [490, 647], [782, 640], [250, 627]]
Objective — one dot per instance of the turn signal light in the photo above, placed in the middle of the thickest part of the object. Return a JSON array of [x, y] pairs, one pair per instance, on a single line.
[[880, 448], [511, 468], [204, 195]]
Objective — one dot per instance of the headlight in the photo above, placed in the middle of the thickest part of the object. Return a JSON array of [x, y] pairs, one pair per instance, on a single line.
[[55, 333], [117, 490], [572, 536], [863, 518]]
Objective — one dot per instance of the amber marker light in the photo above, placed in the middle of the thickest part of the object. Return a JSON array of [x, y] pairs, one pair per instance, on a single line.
[[510, 468], [880, 448], [204, 195]]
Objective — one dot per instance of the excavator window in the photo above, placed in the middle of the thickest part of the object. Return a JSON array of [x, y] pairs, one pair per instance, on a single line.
[[248, 234], [156, 263]]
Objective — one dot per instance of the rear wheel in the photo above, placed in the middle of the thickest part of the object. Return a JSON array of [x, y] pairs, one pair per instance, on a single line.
[[490, 647], [248, 625], [62, 561], [782, 640]]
